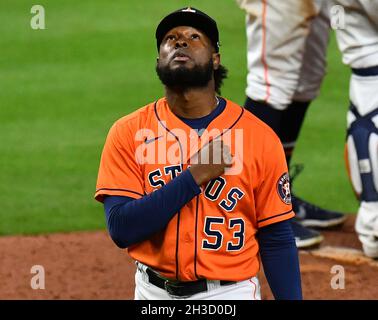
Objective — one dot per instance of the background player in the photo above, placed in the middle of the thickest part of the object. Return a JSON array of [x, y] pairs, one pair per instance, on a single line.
[[287, 42], [192, 242], [285, 92], [358, 42]]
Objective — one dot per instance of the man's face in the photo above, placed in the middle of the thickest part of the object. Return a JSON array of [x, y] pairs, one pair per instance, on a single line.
[[186, 58]]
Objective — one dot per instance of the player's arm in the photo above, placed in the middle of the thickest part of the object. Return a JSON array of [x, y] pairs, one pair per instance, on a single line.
[[279, 257], [276, 239], [130, 221]]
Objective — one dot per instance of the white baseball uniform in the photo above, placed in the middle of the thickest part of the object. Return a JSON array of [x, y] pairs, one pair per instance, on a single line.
[[287, 43], [281, 36], [358, 42]]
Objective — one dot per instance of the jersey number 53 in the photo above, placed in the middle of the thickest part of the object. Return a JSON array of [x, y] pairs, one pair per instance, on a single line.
[[216, 241]]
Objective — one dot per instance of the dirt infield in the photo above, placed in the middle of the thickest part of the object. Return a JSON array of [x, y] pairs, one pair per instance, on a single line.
[[87, 265]]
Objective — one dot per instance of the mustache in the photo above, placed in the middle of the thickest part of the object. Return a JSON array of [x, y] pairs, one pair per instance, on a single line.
[[180, 53]]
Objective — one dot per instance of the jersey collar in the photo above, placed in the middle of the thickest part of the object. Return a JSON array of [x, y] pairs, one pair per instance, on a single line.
[[224, 121]]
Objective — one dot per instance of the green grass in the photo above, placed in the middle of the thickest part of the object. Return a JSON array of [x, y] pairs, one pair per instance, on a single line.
[[62, 88]]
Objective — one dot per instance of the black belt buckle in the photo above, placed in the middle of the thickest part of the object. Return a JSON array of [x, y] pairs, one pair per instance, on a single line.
[[174, 289]]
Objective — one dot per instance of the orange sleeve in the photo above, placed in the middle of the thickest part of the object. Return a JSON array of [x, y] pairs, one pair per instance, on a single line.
[[119, 173], [273, 198]]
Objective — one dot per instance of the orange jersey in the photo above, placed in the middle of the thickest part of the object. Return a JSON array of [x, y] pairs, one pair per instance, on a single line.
[[214, 235]]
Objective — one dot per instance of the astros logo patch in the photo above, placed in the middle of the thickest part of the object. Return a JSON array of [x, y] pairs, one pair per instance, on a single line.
[[283, 188]]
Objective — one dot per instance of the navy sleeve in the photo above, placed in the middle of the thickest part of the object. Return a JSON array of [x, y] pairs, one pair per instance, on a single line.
[[130, 221], [279, 256]]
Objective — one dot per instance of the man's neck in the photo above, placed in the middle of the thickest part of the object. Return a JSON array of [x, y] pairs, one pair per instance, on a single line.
[[193, 103]]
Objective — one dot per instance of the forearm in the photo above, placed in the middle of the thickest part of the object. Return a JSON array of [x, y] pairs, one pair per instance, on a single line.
[[131, 221], [280, 260]]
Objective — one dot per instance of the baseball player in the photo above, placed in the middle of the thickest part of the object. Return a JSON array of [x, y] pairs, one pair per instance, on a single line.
[[286, 65], [287, 42], [193, 186], [358, 43]]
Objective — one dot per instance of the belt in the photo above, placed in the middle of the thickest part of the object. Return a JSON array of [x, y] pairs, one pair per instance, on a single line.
[[180, 288]]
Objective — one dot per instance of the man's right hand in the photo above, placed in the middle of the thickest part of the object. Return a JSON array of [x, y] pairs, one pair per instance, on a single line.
[[211, 161]]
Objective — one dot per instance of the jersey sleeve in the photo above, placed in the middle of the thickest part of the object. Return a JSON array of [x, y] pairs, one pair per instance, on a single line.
[[273, 197], [119, 173]]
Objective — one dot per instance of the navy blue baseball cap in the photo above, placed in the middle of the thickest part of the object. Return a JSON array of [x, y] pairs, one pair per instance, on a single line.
[[191, 17]]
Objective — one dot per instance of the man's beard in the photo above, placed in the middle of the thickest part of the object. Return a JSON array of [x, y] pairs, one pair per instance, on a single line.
[[184, 78]]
